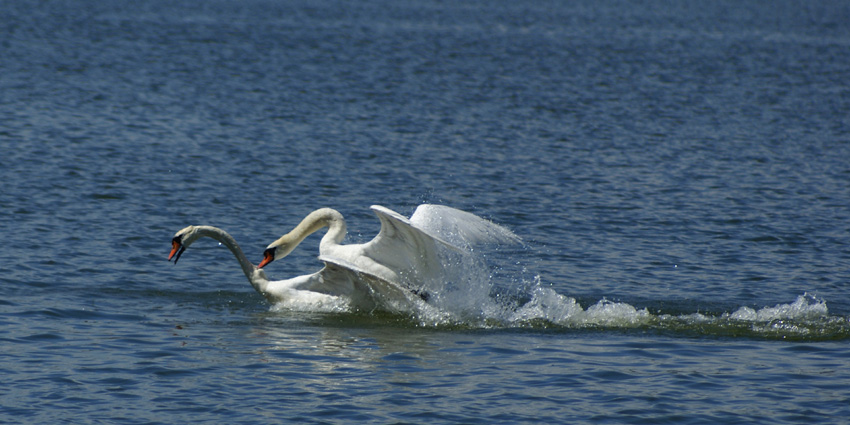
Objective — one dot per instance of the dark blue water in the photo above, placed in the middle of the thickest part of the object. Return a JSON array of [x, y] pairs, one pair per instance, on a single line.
[[679, 172]]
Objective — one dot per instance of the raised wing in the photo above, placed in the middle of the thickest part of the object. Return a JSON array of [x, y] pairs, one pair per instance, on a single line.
[[410, 252], [460, 228]]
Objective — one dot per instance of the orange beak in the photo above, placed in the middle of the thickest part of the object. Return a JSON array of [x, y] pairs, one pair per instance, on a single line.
[[176, 248], [268, 257]]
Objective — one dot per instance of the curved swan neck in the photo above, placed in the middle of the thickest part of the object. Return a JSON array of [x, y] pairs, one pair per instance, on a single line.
[[220, 235], [324, 217]]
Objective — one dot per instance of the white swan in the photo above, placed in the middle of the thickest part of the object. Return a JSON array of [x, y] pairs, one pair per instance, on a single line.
[[405, 254], [310, 289]]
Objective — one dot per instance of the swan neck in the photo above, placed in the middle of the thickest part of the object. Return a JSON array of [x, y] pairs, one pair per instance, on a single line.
[[336, 226], [220, 235], [316, 220]]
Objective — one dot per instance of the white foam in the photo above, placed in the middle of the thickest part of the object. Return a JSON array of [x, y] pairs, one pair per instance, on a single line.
[[548, 305], [804, 307], [609, 313]]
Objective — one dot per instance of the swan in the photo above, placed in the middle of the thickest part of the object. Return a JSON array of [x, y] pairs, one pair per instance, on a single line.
[[397, 261], [406, 253]]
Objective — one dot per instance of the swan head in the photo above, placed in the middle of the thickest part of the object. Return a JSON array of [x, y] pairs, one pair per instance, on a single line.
[[181, 241], [278, 249]]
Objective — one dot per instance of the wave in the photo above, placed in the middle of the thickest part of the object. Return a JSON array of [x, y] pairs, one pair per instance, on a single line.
[[806, 318]]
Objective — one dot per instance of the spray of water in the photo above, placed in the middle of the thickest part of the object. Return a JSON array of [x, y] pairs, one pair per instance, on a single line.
[[482, 285]]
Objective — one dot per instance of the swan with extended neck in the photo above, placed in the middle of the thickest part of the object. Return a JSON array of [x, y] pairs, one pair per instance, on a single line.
[[310, 288]]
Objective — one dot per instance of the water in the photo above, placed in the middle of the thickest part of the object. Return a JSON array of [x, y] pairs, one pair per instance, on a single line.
[[678, 173]]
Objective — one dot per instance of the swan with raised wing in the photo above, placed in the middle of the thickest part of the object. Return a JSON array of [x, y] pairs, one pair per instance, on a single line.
[[407, 254]]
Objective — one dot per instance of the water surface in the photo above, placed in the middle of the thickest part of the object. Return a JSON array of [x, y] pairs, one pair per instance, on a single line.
[[678, 173]]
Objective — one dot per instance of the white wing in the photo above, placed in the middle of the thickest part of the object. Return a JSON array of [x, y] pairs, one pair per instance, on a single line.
[[410, 252], [460, 228]]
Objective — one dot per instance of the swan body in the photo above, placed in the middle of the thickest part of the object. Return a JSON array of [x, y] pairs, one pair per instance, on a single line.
[[390, 272]]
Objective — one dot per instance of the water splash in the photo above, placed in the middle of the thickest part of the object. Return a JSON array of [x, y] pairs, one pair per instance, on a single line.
[[552, 307], [805, 307], [484, 303], [807, 318]]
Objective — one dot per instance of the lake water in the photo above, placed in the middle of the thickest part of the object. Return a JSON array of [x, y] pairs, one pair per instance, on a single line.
[[679, 173]]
